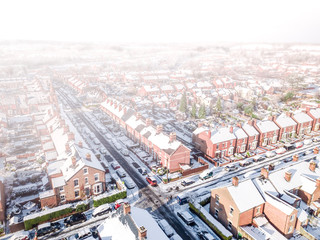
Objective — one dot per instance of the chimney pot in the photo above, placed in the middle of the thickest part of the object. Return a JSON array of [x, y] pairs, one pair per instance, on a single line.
[[231, 129], [148, 122], [142, 233], [126, 208], [159, 129], [88, 156], [316, 150], [172, 136], [67, 147], [295, 158]]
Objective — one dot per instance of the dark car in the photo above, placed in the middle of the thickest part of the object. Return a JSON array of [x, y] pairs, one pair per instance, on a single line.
[[47, 228], [204, 235], [75, 219], [187, 183], [231, 168]]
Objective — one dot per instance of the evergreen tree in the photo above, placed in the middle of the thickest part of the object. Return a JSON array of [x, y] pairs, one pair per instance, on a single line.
[[202, 111], [194, 111], [219, 106], [183, 103]]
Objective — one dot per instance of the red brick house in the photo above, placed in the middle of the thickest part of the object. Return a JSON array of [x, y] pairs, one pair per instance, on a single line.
[[215, 143], [79, 176], [242, 139], [166, 149], [304, 122], [148, 90], [287, 126], [253, 135], [314, 113], [236, 205], [2, 203], [268, 131]]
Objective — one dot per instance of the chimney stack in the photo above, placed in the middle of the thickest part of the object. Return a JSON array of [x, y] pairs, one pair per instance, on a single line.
[[316, 150], [287, 176], [308, 109], [67, 147], [74, 160], [138, 116], [295, 158], [231, 129], [235, 181], [126, 208], [66, 128], [80, 144], [88, 156], [159, 129], [312, 166], [142, 233], [270, 118], [148, 122], [239, 125], [70, 136], [265, 173], [318, 182], [172, 136]]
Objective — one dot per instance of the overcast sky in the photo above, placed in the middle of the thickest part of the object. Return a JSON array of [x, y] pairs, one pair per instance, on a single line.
[[161, 21]]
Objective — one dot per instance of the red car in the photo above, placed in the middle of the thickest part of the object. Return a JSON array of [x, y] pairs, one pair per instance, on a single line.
[[152, 181]]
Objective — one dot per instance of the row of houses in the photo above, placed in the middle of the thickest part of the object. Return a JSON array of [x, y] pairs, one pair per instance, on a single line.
[[162, 147], [272, 206], [226, 141]]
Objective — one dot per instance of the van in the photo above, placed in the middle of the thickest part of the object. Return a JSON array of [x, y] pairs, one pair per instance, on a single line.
[[164, 225], [186, 217], [120, 172], [182, 199], [103, 209], [115, 165]]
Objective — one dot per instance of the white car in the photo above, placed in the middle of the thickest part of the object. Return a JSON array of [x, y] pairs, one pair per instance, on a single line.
[[129, 183], [164, 225], [96, 141], [103, 209], [270, 154], [307, 141], [121, 173], [125, 152], [281, 150]]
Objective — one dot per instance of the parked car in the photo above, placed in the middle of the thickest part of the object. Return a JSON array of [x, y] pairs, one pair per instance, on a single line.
[[101, 210], [125, 152], [164, 225], [182, 198], [186, 217], [307, 141], [75, 219], [115, 165], [21, 235], [288, 159], [231, 168], [118, 203], [204, 235], [47, 228], [84, 233], [206, 174], [289, 146], [270, 154], [298, 144], [258, 158], [120, 172], [129, 183], [281, 150], [316, 139], [187, 182], [152, 181], [102, 150], [245, 162]]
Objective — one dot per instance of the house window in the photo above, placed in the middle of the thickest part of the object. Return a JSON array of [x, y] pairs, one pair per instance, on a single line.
[[216, 213], [231, 210], [243, 148], [217, 199], [76, 182], [274, 139], [62, 197], [230, 152], [97, 188], [86, 180], [76, 193], [96, 177], [290, 229], [292, 218], [85, 171], [217, 145], [61, 189], [229, 225]]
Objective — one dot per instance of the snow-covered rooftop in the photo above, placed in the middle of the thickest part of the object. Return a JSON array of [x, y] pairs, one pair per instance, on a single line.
[[267, 126], [285, 121], [250, 130], [222, 135]]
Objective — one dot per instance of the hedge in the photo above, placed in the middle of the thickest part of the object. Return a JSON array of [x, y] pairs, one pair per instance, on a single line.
[[82, 207], [210, 224], [110, 199], [28, 224], [205, 201]]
